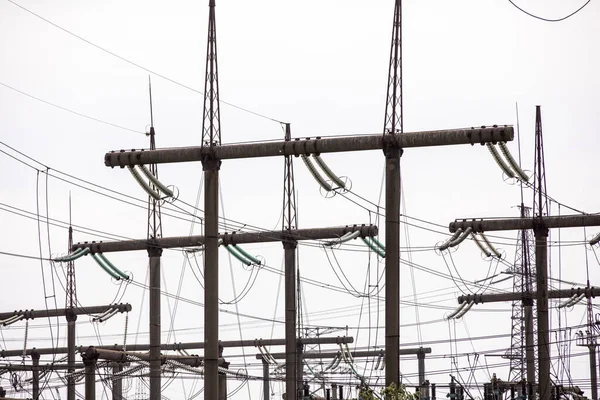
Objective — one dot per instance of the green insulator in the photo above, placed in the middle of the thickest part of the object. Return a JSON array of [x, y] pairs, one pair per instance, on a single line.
[[378, 243], [69, 257], [111, 266], [105, 268], [247, 255], [373, 247], [237, 255]]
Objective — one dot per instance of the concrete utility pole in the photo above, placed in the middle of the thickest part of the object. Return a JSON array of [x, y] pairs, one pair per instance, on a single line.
[[154, 258], [393, 125], [211, 138], [294, 369]]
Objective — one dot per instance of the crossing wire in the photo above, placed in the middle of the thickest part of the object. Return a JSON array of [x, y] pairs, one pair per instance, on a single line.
[[136, 64]]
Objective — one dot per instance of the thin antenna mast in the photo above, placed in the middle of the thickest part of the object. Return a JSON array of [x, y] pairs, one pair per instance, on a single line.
[[154, 214]]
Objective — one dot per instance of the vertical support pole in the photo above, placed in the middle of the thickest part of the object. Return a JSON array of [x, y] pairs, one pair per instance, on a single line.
[[211, 278], [334, 391], [421, 361], [392, 264], [154, 254], [71, 318], [433, 391], [541, 260], [35, 358], [222, 386], [266, 383], [89, 360], [117, 389], [529, 345], [291, 380], [593, 371], [299, 364]]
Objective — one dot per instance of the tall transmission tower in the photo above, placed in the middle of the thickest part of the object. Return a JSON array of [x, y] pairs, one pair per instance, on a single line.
[[523, 270], [540, 200], [211, 139], [393, 125]]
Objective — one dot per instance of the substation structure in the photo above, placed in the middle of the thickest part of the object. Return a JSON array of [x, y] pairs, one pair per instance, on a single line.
[[70, 313], [121, 355], [540, 226], [392, 144]]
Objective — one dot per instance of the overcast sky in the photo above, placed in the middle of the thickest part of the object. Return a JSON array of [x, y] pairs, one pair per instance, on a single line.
[[322, 66]]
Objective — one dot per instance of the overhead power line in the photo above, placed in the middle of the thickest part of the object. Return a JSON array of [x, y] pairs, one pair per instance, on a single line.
[[69, 110], [547, 19], [138, 65]]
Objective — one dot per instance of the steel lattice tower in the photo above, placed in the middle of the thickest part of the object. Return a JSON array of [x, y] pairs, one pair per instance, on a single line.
[[523, 270], [540, 200], [211, 123], [154, 215], [71, 298], [393, 107]]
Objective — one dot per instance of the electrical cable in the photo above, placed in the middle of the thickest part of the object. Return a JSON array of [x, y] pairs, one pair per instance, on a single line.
[[69, 110], [136, 64], [547, 19]]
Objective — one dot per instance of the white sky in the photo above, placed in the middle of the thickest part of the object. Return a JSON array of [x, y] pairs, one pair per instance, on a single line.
[[321, 65]]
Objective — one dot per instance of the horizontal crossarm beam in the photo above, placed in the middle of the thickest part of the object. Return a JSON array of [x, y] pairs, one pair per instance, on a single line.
[[552, 294], [308, 146], [229, 238], [355, 354], [33, 314], [125, 356], [185, 346], [510, 224]]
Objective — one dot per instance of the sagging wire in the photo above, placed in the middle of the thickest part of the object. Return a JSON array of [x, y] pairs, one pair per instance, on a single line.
[[347, 357], [247, 288]]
